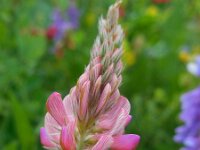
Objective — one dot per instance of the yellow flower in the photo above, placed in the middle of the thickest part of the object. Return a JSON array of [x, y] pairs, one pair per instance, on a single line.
[[152, 11], [184, 56]]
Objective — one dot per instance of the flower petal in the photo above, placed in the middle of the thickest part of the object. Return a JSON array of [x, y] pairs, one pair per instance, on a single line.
[[125, 142], [56, 108], [67, 140], [69, 104], [52, 128], [128, 120], [104, 97], [84, 95], [45, 139], [116, 117], [104, 142]]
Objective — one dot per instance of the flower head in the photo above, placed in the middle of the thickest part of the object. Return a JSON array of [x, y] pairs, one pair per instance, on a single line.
[[189, 133], [93, 115], [64, 22]]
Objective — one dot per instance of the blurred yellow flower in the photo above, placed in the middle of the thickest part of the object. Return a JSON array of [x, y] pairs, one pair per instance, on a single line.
[[129, 57], [184, 56], [90, 19], [152, 11]]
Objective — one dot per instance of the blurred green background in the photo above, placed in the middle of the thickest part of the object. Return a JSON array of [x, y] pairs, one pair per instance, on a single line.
[[159, 40]]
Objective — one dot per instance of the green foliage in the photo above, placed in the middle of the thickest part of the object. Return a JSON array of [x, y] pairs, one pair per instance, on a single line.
[[153, 79]]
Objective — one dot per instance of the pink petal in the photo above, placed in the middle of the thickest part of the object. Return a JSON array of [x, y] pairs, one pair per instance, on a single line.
[[108, 73], [56, 108], [113, 99], [96, 88], [95, 72], [69, 107], [125, 142], [52, 127], [128, 120], [96, 60], [104, 143], [83, 78], [104, 97], [45, 139], [119, 68], [117, 117], [125, 104], [84, 99], [67, 140], [114, 82], [119, 125]]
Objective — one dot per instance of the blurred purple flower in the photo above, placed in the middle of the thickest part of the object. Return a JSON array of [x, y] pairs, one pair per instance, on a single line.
[[63, 22], [189, 133], [194, 67]]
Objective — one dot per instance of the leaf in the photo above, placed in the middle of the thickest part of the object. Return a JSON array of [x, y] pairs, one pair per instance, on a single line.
[[22, 125]]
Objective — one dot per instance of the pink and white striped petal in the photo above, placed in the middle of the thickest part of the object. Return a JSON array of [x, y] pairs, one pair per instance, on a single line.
[[69, 107], [56, 108], [52, 127], [104, 97], [84, 95], [67, 139], [45, 139], [103, 143]]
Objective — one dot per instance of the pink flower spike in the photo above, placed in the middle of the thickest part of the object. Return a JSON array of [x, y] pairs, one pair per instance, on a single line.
[[67, 140], [44, 138], [128, 120], [125, 142], [56, 108]]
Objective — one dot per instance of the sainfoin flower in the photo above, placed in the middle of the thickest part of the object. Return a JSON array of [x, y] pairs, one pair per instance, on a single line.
[[189, 133], [93, 115]]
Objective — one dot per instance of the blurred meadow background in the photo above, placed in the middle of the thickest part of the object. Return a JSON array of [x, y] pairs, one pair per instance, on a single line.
[[45, 46]]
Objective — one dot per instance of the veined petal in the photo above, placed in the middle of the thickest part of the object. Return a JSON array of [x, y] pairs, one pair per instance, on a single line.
[[125, 142], [95, 72], [56, 108], [45, 139], [125, 104], [83, 78], [119, 125], [53, 128], [109, 119], [104, 97], [84, 95], [104, 143], [69, 107], [67, 140]]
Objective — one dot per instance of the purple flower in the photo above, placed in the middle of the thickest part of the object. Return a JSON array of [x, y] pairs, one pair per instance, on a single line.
[[64, 22], [194, 67], [73, 15], [189, 133]]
